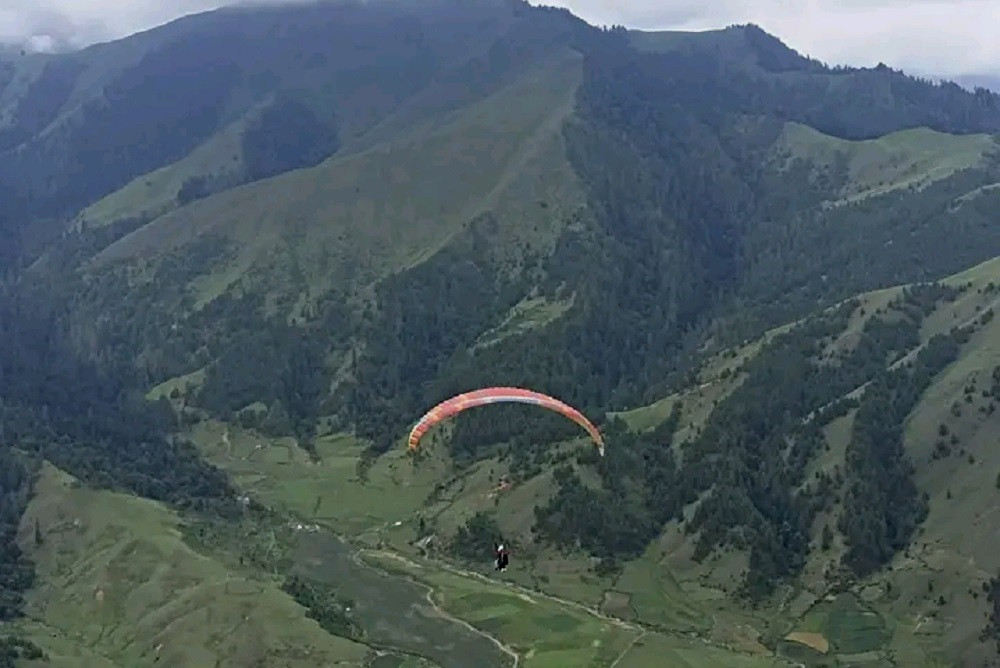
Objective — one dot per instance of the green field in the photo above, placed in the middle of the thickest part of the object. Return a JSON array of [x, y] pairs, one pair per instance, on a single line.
[[847, 626], [555, 629], [396, 612], [545, 633], [656, 597], [527, 315], [329, 491], [550, 634], [120, 587], [652, 651]]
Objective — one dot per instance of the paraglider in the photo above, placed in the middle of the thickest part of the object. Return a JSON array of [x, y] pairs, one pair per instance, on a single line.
[[501, 556], [494, 395]]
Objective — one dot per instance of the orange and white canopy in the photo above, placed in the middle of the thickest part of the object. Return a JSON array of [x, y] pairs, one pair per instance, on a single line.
[[495, 395]]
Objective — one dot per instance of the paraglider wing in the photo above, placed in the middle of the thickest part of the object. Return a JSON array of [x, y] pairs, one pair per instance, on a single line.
[[493, 395]]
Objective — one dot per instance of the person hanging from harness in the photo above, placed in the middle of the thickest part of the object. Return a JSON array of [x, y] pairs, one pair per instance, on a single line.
[[501, 556]]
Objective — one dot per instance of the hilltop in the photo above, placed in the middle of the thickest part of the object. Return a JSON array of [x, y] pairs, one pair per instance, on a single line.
[[226, 296]]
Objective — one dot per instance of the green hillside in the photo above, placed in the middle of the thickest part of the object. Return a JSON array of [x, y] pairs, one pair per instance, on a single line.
[[889, 615], [418, 189], [76, 127], [151, 195], [225, 298], [906, 159], [928, 602], [121, 587], [126, 584]]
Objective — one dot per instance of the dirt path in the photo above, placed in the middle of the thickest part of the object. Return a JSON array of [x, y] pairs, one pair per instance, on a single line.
[[429, 596], [627, 649], [532, 596], [525, 593], [506, 649]]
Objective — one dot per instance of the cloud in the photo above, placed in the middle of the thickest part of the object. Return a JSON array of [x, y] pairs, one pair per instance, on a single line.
[[946, 37], [81, 22]]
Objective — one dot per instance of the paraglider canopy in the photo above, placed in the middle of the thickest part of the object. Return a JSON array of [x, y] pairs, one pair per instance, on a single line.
[[493, 395]]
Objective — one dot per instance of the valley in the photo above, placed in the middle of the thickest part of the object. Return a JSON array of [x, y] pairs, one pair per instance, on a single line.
[[224, 300]]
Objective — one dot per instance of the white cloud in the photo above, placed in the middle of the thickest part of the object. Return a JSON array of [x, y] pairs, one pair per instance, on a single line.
[[929, 36], [81, 22]]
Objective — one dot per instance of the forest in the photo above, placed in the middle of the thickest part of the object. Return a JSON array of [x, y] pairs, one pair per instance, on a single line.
[[325, 605], [667, 260], [751, 455], [992, 628], [58, 407], [691, 237]]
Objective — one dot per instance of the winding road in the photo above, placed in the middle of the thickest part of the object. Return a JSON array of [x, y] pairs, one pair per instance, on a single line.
[[358, 559]]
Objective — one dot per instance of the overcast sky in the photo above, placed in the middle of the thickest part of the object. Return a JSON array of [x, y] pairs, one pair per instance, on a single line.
[[946, 37]]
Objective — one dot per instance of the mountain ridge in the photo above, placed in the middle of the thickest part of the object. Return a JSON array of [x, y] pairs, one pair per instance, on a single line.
[[323, 241]]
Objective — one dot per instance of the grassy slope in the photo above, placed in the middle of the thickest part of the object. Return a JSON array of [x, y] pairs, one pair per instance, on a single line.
[[957, 549], [154, 194], [909, 158], [120, 587], [395, 203], [26, 70], [398, 201], [665, 588], [909, 625], [99, 65], [383, 511]]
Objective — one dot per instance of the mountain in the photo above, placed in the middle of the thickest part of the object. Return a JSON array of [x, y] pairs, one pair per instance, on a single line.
[[879, 429], [244, 251], [972, 81]]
